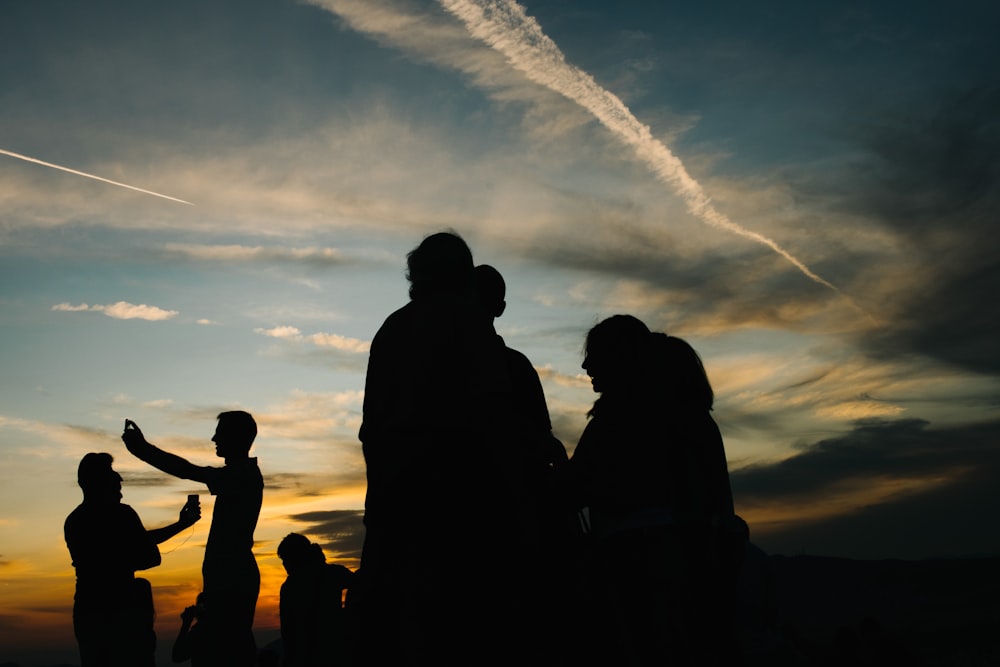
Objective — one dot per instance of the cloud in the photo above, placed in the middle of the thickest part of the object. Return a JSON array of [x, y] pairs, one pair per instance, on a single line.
[[505, 27], [147, 479], [929, 175], [284, 332], [321, 340], [896, 487], [342, 531], [68, 308], [65, 439], [243, 253], [121, 310], [578, 380]]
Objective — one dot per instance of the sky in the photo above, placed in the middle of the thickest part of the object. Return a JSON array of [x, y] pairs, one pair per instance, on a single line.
[[207, 206]]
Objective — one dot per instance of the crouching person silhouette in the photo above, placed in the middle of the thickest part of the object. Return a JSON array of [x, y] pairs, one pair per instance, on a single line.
[[313, 619], [229, 571], [112, 609]]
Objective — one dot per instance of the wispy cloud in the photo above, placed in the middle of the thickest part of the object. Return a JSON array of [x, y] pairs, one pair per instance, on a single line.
[[243, 253], [121, 310], [85, 174], [505, 27], [324, 340]]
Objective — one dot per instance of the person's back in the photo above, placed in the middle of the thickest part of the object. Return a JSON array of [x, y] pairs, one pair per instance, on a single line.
[[238, 488], [426, 442], [113, 609]]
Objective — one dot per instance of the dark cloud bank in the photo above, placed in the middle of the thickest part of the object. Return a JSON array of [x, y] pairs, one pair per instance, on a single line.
[[953, 516], [933, 177], [340, 532]]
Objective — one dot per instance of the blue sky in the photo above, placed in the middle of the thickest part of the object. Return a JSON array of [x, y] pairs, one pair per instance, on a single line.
[[318, 142]]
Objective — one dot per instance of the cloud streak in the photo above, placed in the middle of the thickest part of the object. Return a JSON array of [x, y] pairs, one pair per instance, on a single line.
[[243, 253], [96, 178], [320, 339], [504, 27], [122, 310]]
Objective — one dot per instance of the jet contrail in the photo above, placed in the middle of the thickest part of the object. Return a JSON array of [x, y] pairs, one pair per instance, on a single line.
[[98, 178], [504, 26]]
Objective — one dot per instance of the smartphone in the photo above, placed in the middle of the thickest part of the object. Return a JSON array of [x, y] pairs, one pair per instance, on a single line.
[[192, 499]]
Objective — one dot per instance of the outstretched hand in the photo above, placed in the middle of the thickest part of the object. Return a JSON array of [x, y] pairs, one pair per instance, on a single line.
[[132, 436]]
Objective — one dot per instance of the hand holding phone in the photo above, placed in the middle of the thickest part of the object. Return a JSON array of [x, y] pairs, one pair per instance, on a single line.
[[191, 512]]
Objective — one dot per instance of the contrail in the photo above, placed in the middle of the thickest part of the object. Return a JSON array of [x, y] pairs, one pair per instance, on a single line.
[[504, 26], [97, 178]]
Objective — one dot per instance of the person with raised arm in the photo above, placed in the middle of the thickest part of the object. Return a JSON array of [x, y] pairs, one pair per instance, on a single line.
[[229, 570]]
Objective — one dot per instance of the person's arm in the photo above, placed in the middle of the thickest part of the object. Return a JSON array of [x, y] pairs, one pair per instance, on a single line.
[[169, 463], [182, 645], [190, 514]]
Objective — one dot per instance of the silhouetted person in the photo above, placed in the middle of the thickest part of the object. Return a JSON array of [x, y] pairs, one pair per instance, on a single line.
[[439, 499], [523, 417], [313, 622], [112, 609], [651, 468], [230, 573], [542, 450], [191, 643]]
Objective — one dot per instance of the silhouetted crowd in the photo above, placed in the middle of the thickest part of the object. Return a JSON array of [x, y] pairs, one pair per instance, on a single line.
[[484, 543]]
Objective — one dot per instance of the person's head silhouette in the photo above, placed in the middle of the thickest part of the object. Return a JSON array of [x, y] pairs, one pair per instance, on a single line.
[[615, 356], [234, 435], [297, 553], [491, 290], [99, 481], [440, 265]]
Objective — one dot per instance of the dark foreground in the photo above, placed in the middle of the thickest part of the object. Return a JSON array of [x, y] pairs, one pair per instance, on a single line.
[[837, 611], [813, 610]]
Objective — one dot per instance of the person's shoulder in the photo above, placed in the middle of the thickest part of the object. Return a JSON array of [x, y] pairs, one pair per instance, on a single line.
[[238, 469], [76, 516], [518, 359], [399, 317], [396, 324]]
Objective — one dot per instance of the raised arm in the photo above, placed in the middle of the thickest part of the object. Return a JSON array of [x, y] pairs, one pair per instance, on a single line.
[[190, 514], [169, 463]]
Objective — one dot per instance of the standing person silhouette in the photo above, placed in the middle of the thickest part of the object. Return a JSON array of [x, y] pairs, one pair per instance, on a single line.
[[229, 570], [537, 523], [438, 501], [651, 469], [112, 609]]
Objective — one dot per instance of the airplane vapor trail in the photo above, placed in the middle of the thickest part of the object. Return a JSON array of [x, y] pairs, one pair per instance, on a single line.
[[97, 178], [505, 27]]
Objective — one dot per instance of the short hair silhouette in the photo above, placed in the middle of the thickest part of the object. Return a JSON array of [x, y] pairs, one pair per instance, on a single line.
[[95, 470], [297, 552], [240, 424], [441, 264], [293, 546], [491, 290]]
